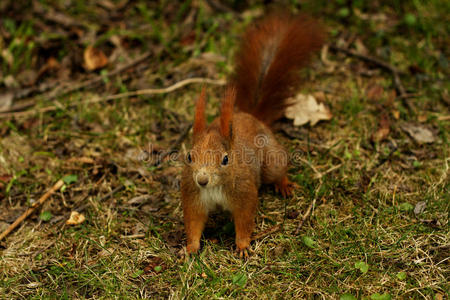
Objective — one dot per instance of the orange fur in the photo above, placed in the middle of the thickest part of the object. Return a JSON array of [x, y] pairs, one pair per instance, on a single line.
[[228, 174], [226, 111], [267, 66]]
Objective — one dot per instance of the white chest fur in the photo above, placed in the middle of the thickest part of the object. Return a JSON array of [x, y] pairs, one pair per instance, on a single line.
[[212, 197]]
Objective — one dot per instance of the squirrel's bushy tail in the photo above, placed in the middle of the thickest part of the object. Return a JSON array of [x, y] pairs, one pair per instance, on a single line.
[[268, 62]]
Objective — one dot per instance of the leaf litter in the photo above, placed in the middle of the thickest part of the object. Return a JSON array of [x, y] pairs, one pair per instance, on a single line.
[[305, 109]]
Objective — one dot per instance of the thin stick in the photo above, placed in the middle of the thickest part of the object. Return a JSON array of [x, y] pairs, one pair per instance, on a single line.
[[120, 187], [318, 174], [305, 216], [168, 89], [99, 78], [266, 232], [309, 210], [384, 65], [32, 208], [57, 92]]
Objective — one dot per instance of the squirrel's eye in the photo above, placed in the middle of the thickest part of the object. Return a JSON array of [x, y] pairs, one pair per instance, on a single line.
[[225, 160], [189, 158]]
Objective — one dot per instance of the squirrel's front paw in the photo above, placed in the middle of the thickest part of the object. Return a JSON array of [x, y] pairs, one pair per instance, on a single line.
[[242, 248], [192, 248], [243, 253]]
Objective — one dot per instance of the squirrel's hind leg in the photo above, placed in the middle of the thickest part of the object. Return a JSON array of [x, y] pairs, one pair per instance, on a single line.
[[285, 187], [274, 171]]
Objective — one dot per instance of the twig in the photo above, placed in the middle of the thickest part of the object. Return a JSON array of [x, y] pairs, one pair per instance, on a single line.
[[172, 148], [31, 209], [266, 232], [305, 216], [57, 92], [403, 95], [308, 211], [133, 236], [318, 174], [168, 89], [99, 78]]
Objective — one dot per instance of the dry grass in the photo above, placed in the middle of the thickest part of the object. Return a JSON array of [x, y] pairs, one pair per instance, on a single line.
[[130, 247]]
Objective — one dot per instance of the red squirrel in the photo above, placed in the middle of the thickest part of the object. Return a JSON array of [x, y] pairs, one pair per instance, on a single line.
[[237, 152]]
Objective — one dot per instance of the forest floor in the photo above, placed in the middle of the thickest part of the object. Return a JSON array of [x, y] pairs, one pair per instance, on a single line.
[[370, 219]]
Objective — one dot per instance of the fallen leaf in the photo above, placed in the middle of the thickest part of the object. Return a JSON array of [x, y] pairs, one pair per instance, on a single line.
[[94, 58], [4, 179], [419, 133], [6, 101], [51, 64], [239, 279], [383, 129], [10, 81], [360, 47], [347, 296], [420, 207], [75, 218], [7, 56], [309, 242], [405, 206], [422, 118], [396, 114], [27, 77], [362, 266], [375, 92], [401, 275], [292, 214], [45, 216], [378, 296], [306, 109], [68, 179], [154, 265]]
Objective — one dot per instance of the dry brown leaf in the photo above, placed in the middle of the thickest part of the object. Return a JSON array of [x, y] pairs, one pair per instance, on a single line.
[[383, 129], [4, 179], [396, 114], [306, 109], [360, 47], [422, 118], [51, 64], [75, 218], [94, 58], [375, 92], [155, 265], [419, 133]]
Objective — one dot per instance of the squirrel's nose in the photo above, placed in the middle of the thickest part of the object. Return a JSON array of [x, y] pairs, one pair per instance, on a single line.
[[202, 180]]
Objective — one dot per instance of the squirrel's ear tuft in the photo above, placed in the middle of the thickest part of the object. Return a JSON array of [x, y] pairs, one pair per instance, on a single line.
[[226, 112], [199, 119]]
